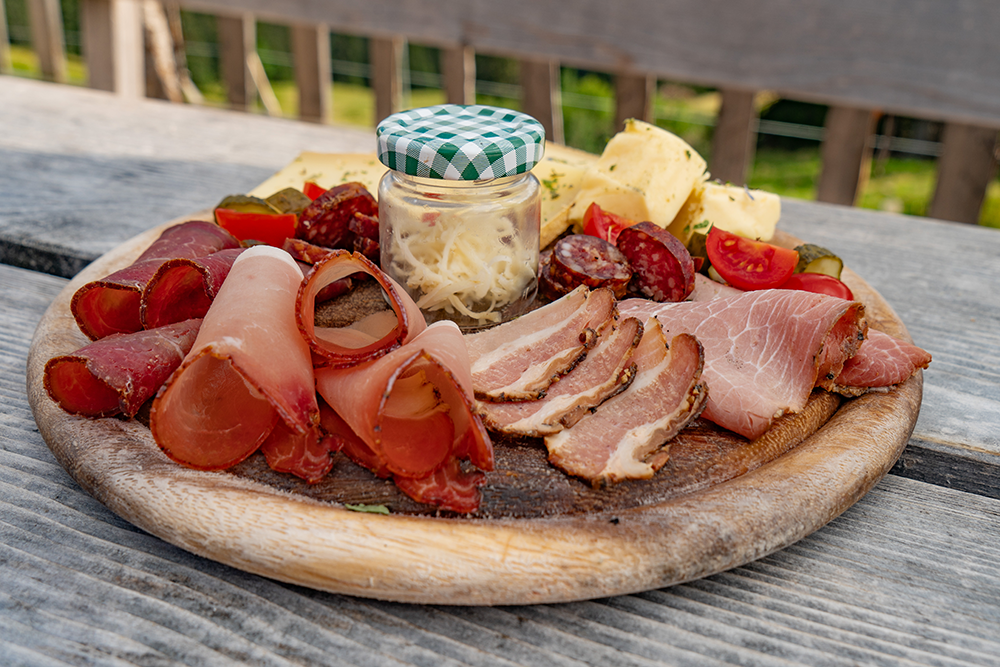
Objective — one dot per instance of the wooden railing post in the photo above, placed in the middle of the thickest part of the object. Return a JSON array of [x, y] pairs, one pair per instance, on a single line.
[[541, 97], [237, 37], [634, 95], [734, 140], [6, 65], [113, 46], [386, 56], [313, 71], [846, 154], [458, 68], [967, 164], [47, 38]]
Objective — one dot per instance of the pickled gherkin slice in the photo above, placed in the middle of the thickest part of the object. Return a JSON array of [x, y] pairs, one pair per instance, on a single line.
[[289, 200], [817, 259], [247, 204]]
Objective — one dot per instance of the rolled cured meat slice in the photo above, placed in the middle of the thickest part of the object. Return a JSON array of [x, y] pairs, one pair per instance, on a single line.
[[882, 362], [765, 351], [301, 454], [606, 370], [367, 339], [248, 369], [412, 408], [625, 437], [112, 304], [518, 360], [184, 288], [118, 373]]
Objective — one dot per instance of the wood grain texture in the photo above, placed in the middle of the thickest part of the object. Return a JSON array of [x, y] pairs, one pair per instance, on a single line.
[[932, 60], [548, 558]]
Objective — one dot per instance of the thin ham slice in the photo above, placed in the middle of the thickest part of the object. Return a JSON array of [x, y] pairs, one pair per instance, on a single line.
[[118, 373], [518, 360], [184, 287], [112, 304], [301, 454], [626, 436], [882, 362], [765, 351], [368, 339], [606, 370], [248, 369], [412, 409]]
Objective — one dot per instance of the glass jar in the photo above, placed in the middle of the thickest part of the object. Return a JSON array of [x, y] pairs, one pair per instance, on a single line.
[[459, 211]]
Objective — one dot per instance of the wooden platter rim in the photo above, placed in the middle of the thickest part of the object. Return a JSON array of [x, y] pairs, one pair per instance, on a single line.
[[470, 561]]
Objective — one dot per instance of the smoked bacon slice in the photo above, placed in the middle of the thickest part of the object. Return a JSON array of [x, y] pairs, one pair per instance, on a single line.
[[518, 360], [627, 436], [248, 369]]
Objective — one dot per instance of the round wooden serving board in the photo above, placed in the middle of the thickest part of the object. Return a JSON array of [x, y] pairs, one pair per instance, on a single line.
[[637, 537]]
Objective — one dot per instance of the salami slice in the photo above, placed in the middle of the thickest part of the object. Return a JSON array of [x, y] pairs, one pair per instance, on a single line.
[[118, 373], [581, 259], [327, 221], [662, 268]]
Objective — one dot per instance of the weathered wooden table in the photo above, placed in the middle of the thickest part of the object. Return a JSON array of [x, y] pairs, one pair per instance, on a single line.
[[908, 575]]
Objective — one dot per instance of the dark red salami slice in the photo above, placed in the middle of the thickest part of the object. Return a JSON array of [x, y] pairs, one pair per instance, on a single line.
[[662, 268], [581, 259], [112, 304], [184, 288], [118, 373], [327, 221]]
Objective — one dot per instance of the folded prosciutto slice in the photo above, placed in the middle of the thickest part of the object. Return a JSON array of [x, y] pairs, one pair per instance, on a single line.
[[881, 363], [184, 287], [606, 370], [765, 351], [368, 338], [112, 304], [625, 437], [248, 369], [412, 409], [120, 372], [518, 360]]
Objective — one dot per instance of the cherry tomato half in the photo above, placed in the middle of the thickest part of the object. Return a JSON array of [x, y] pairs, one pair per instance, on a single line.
[[819, 283], [748, 264], [312, 190], [604, 225], [263, 227]]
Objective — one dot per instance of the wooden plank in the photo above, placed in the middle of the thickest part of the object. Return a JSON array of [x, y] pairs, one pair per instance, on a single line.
[[458, 67], [541, 97], [734, 139], [313, 71], [935, 62], [165, 79], [6, 65], [237, 38], [387, 76], [45, 17], [846, 154], [967, 165], [113, 46], [634, 97]]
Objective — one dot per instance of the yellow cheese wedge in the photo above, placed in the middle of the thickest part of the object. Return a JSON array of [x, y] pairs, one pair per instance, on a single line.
[[645, 173], [749, 213]]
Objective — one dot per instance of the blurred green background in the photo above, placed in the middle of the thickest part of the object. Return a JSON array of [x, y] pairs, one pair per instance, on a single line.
[[787, 159]]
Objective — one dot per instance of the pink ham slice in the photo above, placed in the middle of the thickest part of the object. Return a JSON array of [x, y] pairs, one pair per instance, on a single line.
[[184, 288], [367, 339], [120, 372], [765, 351], [248, 369], [518, 360], [606, 370], [412, 409], [625, 437], [881, 363], [112, 304]]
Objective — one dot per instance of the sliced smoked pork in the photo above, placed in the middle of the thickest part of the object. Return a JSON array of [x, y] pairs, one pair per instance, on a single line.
[[248, 370], [765, 351], [606, 370], [882, 362], [518, 360], [625, 437]]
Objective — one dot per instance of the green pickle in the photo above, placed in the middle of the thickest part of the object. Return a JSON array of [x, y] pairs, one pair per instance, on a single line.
[[247, 204], [817, 259], [289, 200]]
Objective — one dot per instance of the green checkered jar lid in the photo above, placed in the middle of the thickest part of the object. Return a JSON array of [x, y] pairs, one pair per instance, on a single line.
[[460, 142]]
